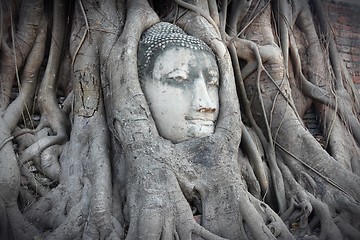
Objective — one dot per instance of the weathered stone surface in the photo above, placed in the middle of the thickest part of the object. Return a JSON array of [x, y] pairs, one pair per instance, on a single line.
[[344, 19]]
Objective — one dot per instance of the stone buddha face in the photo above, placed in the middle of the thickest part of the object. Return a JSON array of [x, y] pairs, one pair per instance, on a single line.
[[181, 87]]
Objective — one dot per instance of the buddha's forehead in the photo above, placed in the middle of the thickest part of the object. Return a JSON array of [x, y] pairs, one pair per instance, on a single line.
[[184, 59], [174, 58]]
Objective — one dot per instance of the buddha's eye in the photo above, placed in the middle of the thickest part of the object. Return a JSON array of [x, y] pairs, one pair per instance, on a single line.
[[213, 79], [213, 83], [178, 76]]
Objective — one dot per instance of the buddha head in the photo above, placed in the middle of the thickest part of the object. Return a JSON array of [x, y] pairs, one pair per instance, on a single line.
[[180, 79]]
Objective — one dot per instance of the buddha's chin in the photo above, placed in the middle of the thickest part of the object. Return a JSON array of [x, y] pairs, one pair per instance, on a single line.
[[194, 129]]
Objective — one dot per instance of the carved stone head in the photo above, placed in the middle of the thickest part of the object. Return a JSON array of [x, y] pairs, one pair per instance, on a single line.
[[180, 79]]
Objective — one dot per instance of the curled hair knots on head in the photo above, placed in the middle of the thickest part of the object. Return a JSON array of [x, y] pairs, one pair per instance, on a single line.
[[161, 36]]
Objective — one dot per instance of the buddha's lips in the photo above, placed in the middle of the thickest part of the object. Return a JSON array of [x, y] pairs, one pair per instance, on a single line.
[[200, 119]]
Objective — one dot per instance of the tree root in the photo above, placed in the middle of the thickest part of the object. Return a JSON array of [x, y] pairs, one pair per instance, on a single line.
[[255, 160], [199, 11], [13, 59], [308, 203], [50, 163], [340, 104], [157, 209], [29, 79], [38, 146], [238, 11], [328, 228], [50, 112], [21, 229], [73, 225], [266, 142], [346, 229]]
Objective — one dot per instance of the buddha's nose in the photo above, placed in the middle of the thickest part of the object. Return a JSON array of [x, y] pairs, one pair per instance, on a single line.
[[202, 100]]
